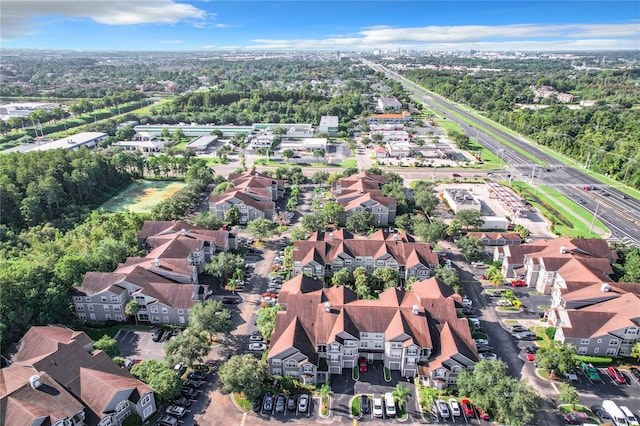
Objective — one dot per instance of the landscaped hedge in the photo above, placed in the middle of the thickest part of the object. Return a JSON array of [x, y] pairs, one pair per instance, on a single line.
[[594, 359]]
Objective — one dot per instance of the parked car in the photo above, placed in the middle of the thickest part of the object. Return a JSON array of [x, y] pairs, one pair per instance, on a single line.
[[455, 175], [631, 419], [526, 335], [481, 341], [467, 310], [505, 303], [231, 300], [478, 265], [196, 384], [591, 372], [257, 346], [467, 408], [467, 302], [377, 406], [531, 357], [182, 401], [601, 414], [176, 411], [280, 404], [291, 403], [257, 338], [488, 356], [531, 349], [518, 283], [167, 420], [517, 328], [443, 408], [616, 375], [389, 404], [635, 372], [267, 404], [303, 403], [197, 375], [189, 393], [484, 348], [157, 334], [482, 414], [365, 406], [362, 363], [455, 407]]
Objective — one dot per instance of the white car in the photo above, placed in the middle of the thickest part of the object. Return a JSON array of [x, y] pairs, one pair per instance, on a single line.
[[256, 338], [377, 406], [443, 408], [390, 404], [481, 341], [455, 407], [490, 356], [478, 265], [257, 346], [467, 302]]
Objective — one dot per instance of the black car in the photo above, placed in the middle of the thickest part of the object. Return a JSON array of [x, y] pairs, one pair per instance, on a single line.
[[601, 414], [197, 375], [291, 403], [365, 406], [256, 404], [635, 373], [157, 334], [484, 348], [182, 401], [231, 300], [189, 393], [531, 349], [192, 384], [267, 404]]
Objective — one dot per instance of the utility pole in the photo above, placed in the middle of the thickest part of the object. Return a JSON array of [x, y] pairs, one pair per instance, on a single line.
[[533, 173], [593, 221]]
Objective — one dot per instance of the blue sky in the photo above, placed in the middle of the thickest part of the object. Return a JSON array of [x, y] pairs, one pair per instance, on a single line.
[[323, 25]]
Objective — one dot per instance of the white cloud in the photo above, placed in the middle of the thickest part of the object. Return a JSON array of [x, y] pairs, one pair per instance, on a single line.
[[170, 42], [485, 37], [17, 14]]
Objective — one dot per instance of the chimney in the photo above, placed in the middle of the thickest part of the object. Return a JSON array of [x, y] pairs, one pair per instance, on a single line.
[[183, 232], [35, 382], [415, 309], [605, 288], [331, 238], [563, 249], [395, 237], [327, 307], [156, 262]]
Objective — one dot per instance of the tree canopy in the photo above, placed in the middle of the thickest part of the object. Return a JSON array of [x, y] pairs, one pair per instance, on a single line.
[[244, 374], [262, 229], [160, 376]]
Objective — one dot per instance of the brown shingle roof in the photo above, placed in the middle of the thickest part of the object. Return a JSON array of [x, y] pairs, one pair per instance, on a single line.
[[99, 388], [44, 340], [179, 296]]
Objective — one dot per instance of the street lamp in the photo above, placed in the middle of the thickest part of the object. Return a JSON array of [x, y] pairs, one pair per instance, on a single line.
[[593, 221]]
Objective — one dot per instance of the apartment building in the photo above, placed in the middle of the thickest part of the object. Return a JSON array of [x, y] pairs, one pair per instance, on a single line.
[[362, 191], [326, 252], [324, 331], [57, 378]]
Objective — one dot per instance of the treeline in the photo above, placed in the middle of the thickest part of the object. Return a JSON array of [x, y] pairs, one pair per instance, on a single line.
[[57, 186], [35, 281], [257, 106], [604, 137]]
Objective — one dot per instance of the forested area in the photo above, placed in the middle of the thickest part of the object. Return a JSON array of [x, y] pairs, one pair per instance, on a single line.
[[58, 186], [603, 136], [40, 266]]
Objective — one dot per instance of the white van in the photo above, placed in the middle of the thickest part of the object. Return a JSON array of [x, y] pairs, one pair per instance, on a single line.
[[615, 412], [390, 404], [631, 419]]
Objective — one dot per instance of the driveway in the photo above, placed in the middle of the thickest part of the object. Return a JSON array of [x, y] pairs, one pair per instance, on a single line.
[[139, 344]]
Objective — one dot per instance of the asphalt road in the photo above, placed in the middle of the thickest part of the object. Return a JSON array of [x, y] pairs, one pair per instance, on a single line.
[[621, 216]]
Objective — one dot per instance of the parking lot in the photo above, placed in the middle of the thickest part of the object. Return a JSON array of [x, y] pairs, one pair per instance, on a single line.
[[139, 344]]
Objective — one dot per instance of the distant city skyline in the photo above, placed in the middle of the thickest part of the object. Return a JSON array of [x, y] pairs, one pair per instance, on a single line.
[[169, 25]]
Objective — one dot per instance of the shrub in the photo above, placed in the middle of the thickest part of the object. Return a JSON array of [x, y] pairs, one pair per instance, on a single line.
[[594, 359], [550, 332]]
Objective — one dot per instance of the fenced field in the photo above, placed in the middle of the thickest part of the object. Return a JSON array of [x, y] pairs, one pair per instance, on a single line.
[[142, 196]]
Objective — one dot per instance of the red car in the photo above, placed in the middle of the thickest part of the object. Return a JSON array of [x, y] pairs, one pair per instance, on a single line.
[[616, 375], [467, 408], [482, 414], [362, 363], [518, 283], [531, 357]]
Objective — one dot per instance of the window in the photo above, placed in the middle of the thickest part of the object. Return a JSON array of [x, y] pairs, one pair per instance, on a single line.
[[350, 343], [596, 350], [180, 311], [395, 353], [103, 298], [82, 316], [165, 310], [117, 308], [276, 362], [77, 299], [377, 345], [348, 261], [119, 318], [153, 309], [291, 363], [412, 351], [411, 361], [334, 358], [107, 317], [146, 399], [334, 348], [599, 340], [79, 307], [584, 341], [308, 368], [147, 412], [165, 318], [122, 405], [380, 262], [611, 351], [87, 299], [614, 342], [155, 318], [90, 308], [106, 308], [582, 350], [368, 260]]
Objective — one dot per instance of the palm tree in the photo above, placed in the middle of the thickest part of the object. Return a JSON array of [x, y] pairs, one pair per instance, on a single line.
[[494, 275], [401, 395]]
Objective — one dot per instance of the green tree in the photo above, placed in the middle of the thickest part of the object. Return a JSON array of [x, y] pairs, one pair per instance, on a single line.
[[224, 264], [568, 395], [450, 277], [556, 358], [469, 218], [494, 274], [388, 276], [313, 222], [317, 153], [298, 234], [332, 211], [424, 198], [160, 376], [430, 232], [401, 394], [405, 221], [262, 229], [471, 247], [108, 345], [208, 220], [266, 320], [632, 266], [635, 351], [288, 153], [319, 177], [244, 374], [232, 215], [341, 278], [210, 317], [222, 187], [359, 221], [132, 308], [522, 231], [487, 386], [187, 348]]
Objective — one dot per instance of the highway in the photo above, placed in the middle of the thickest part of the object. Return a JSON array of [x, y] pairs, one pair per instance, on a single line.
[[620, 215]]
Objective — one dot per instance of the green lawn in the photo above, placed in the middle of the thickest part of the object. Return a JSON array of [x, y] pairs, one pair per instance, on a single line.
[[142, 196]]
